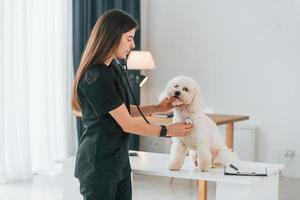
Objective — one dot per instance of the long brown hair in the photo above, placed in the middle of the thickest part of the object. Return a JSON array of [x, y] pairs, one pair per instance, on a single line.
[[104, 39]]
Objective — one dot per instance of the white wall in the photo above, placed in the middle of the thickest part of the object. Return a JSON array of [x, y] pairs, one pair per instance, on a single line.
[[244, 54]]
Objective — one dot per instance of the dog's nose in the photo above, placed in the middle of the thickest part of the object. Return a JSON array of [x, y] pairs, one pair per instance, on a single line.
[[177, 93]]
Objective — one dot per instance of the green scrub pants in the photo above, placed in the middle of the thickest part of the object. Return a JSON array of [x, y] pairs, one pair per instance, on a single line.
[[114, 191]]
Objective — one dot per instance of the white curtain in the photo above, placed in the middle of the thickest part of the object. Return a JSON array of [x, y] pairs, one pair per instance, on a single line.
[[36, 124]]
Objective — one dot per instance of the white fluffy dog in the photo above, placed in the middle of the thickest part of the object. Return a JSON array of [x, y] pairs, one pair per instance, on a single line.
[[207, 148]]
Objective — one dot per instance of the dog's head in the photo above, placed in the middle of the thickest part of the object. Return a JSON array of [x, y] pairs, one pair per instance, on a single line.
[[186, 90]]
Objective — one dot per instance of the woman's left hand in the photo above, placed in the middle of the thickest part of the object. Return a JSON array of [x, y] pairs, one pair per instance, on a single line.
[[166, 104]]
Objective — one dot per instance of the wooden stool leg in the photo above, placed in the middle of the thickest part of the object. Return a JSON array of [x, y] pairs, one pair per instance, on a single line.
[[202, 190], [229, 135]]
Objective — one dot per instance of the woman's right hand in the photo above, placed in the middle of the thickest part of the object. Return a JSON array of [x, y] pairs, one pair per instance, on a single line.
[[179, 129]]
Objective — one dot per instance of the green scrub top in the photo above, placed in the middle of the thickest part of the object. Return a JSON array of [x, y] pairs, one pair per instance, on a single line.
[[102, 155]]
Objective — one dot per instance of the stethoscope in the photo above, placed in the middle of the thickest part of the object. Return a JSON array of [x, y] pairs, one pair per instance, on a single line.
[[124, 68]]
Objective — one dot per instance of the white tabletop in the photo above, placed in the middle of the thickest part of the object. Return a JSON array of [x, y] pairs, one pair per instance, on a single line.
[[157, 164]]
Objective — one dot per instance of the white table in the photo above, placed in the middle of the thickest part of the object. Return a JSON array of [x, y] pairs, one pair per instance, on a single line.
[[227, 187]]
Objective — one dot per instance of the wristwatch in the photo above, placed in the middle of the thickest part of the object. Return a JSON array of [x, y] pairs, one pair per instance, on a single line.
[[163, 131]]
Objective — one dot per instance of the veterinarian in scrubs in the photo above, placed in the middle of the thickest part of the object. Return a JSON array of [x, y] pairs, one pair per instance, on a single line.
[[102, 162]]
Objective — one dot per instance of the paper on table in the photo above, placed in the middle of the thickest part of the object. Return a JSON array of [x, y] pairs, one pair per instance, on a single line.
[[246, 170]]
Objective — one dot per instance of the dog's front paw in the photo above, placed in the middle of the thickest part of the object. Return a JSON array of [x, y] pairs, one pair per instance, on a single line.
[[217, 165], [174, 166], [204, 167]]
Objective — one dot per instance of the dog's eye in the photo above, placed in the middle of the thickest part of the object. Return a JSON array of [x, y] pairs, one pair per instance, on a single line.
[[175, 86], [185, 89]]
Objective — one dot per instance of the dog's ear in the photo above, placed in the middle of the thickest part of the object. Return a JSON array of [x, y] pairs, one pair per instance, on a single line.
[[197, 102]]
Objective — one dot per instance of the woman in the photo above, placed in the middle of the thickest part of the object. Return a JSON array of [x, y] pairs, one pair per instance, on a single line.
[[102, 162]]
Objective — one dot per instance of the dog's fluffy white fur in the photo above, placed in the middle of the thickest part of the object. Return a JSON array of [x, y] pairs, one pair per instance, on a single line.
[[205, 145]]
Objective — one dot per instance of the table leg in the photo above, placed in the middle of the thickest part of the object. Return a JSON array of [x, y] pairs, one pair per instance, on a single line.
[[202, 190], [229, 135]]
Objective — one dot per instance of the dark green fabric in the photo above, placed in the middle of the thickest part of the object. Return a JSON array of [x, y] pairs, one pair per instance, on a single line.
[[99, 86], [116, 191], [85, 15], [102, 155]]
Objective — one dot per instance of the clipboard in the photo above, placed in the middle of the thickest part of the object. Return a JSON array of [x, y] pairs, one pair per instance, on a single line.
[[244, 170]]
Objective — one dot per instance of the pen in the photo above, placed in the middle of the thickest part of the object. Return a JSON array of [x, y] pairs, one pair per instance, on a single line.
[[233, 167]]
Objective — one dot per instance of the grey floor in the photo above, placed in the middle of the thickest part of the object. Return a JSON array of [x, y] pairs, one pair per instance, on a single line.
[[144, 187]]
